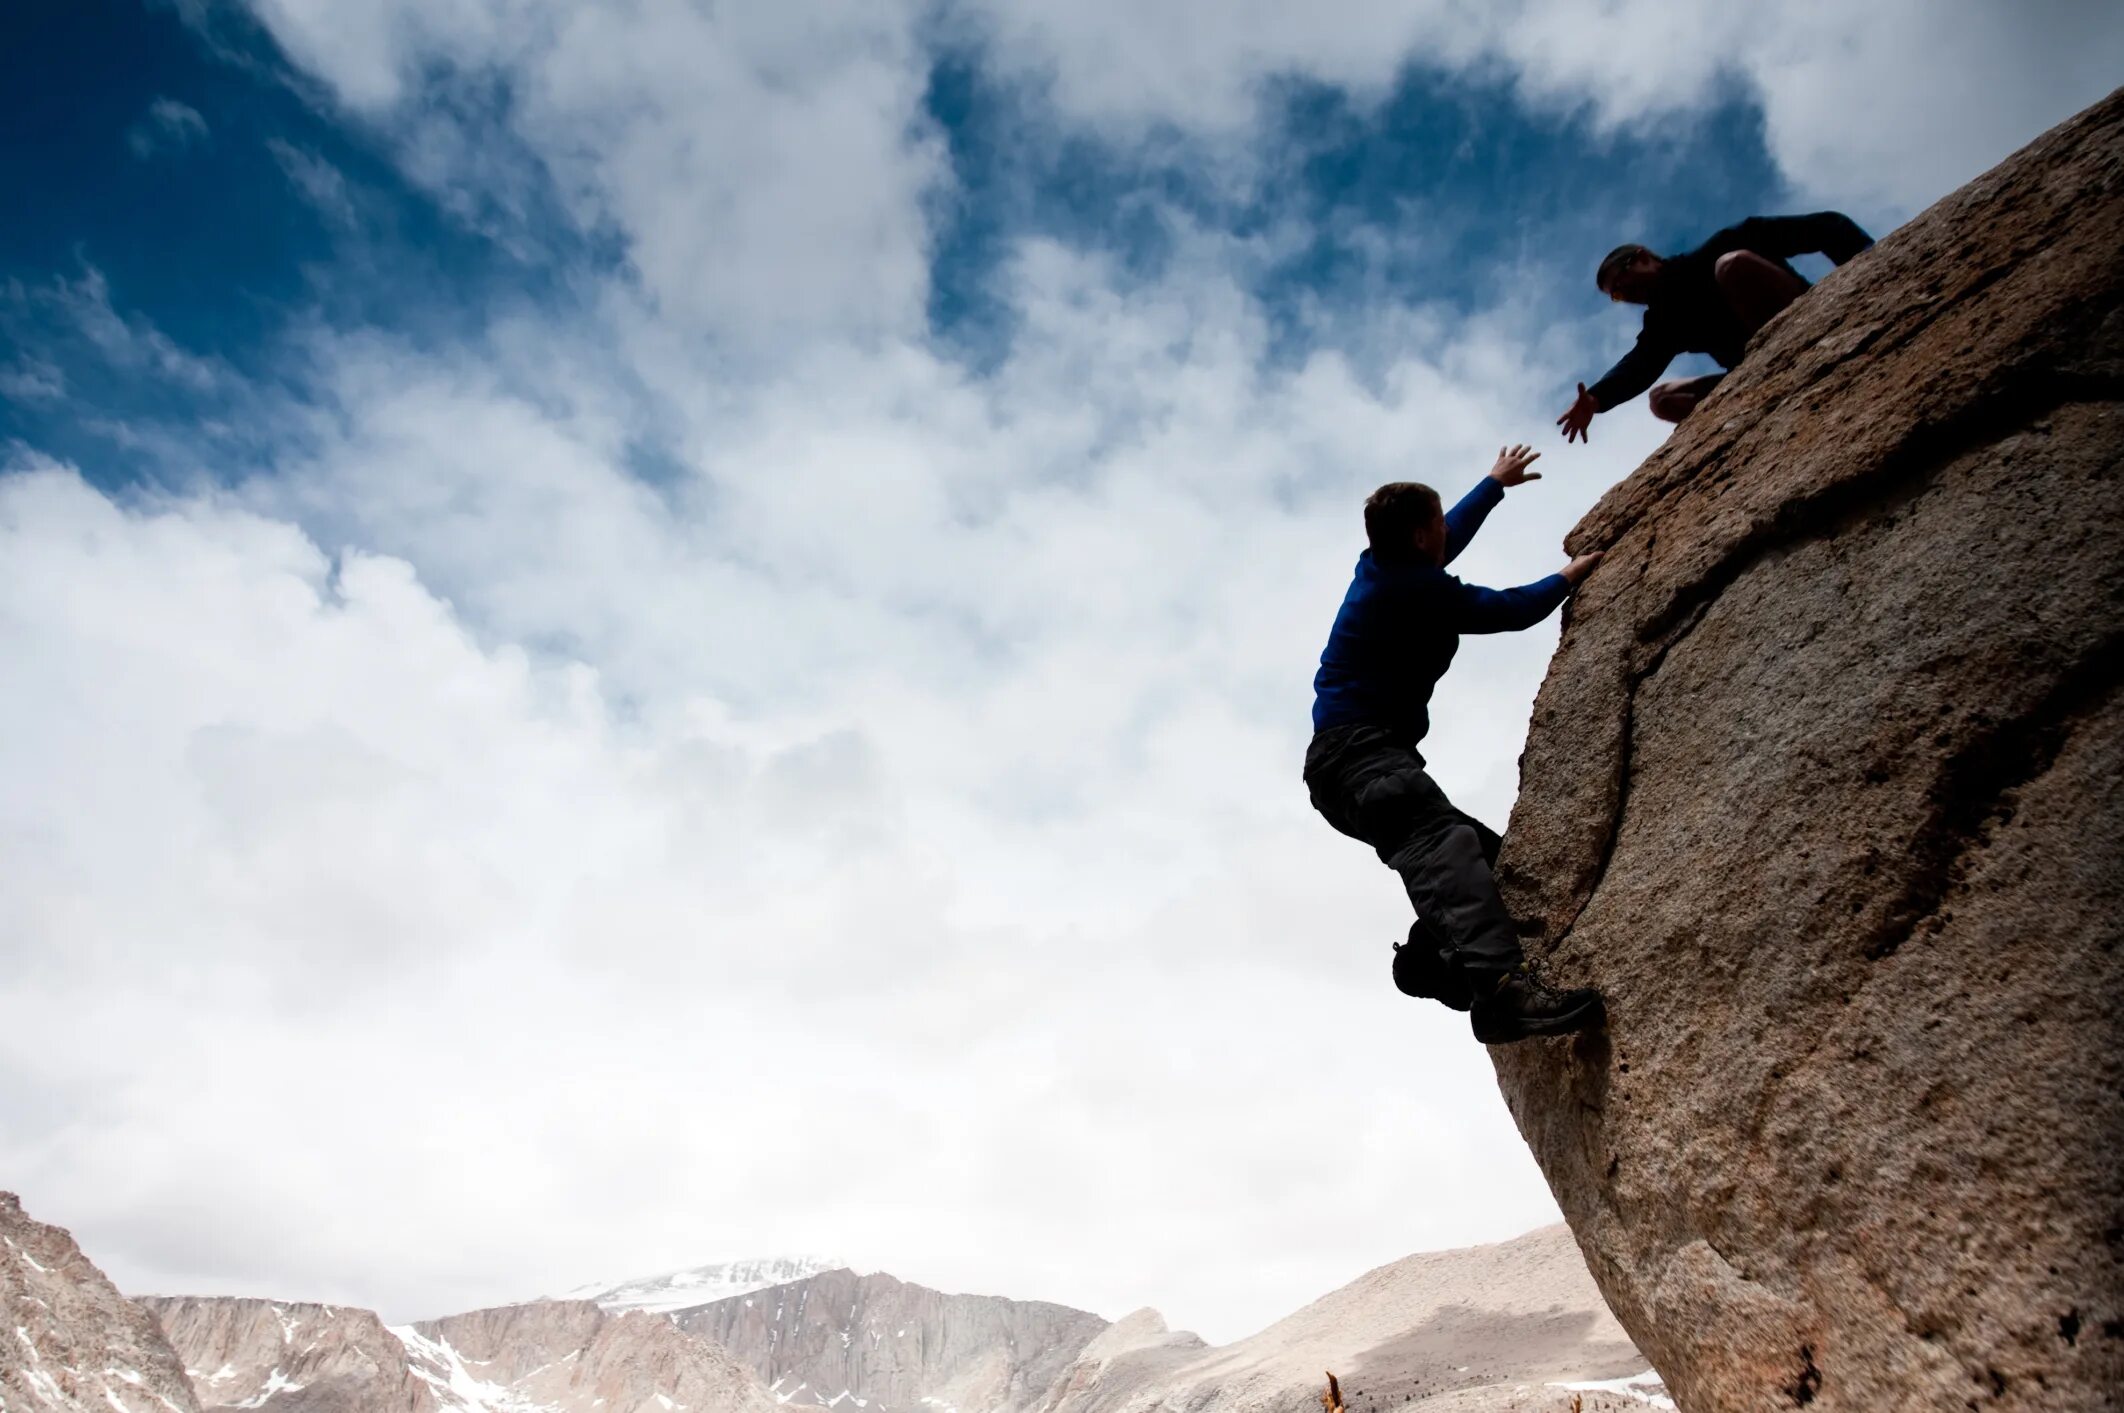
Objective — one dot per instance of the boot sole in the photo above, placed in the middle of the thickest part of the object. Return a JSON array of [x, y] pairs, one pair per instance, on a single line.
[[1504, 1032]]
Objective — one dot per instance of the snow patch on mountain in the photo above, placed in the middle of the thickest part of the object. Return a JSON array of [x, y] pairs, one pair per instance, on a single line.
[[1644, 1388], [702, 1285], [454, 1386]]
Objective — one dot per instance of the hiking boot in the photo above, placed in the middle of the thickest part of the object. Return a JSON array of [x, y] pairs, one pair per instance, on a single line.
[[1516, 1005]]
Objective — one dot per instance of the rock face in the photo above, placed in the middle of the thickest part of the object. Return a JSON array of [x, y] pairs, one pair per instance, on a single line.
[[903, 1347], [290, 1356], [1825, 790], [548, 1357], [573, 1357], [68, 1340], [1485, 1329]]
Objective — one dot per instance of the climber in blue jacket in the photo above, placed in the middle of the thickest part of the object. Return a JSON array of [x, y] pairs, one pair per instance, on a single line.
[[1709, 300], [1395, 636]]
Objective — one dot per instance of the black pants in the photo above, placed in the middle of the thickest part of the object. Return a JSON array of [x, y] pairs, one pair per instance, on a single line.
[[1371, 785]]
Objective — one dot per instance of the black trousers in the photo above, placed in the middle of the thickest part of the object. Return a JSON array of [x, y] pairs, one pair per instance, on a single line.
[[1371, 785]]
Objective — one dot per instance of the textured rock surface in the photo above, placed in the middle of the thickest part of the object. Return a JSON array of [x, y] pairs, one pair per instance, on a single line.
[[1486, 1329], [896, 1345], [1823, 790], [68, 1339]]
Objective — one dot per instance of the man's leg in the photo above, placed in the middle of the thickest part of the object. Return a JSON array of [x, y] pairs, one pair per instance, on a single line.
[[1446, 868], [1375, 789], [1756, 289], [1442, 864], [1674, 400], [1372, 787], [1492, 842], [1421, 968]]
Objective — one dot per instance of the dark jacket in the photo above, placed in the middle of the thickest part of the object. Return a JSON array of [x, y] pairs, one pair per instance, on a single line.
[[1688, 314], [1400, 625]]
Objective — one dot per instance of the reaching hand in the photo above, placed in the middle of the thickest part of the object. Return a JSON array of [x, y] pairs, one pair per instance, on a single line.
[[1512, 464], [1579, 415], [1582, 565]]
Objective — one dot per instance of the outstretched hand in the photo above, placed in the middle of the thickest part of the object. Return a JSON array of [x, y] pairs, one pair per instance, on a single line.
[[1512, 464], [1578, 416]]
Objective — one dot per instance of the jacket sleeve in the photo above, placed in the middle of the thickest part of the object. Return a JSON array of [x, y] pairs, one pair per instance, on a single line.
[[1829, 233], [1636, 370], [1480, 610], [1465, 518]]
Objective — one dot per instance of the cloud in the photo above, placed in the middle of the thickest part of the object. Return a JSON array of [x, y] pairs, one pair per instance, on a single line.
[[1906, 101], [765, 167], [167, 126]]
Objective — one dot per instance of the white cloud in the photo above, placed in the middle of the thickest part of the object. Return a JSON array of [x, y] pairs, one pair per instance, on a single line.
[[1903, 102], [765, 164], [167, 126]]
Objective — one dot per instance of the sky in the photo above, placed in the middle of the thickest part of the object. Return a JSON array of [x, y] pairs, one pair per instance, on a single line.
[[661, 632]]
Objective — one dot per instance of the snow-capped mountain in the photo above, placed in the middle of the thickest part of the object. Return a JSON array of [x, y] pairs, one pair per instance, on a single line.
[[703, 1285]]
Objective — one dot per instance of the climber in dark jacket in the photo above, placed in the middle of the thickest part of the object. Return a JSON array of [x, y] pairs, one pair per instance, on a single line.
[[1711, 300], [1396, 634]]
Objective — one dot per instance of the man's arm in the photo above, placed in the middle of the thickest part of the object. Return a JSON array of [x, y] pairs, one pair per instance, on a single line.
[[1829, 233], [1634, 371], [1480, 610], [1465, 518]]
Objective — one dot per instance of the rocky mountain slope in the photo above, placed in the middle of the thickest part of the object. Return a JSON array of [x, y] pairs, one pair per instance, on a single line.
[[547, 1357], [1825, 790], [290, 1356], [68, 1340], [572, 1357], [1488, 1328], [895, 1346]]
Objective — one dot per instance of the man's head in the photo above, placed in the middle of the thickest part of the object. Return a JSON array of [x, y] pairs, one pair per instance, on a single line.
[[1405, 524], [1627, 274]]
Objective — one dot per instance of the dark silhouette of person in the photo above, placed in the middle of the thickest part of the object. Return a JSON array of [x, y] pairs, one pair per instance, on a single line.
[[1709, 300]]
